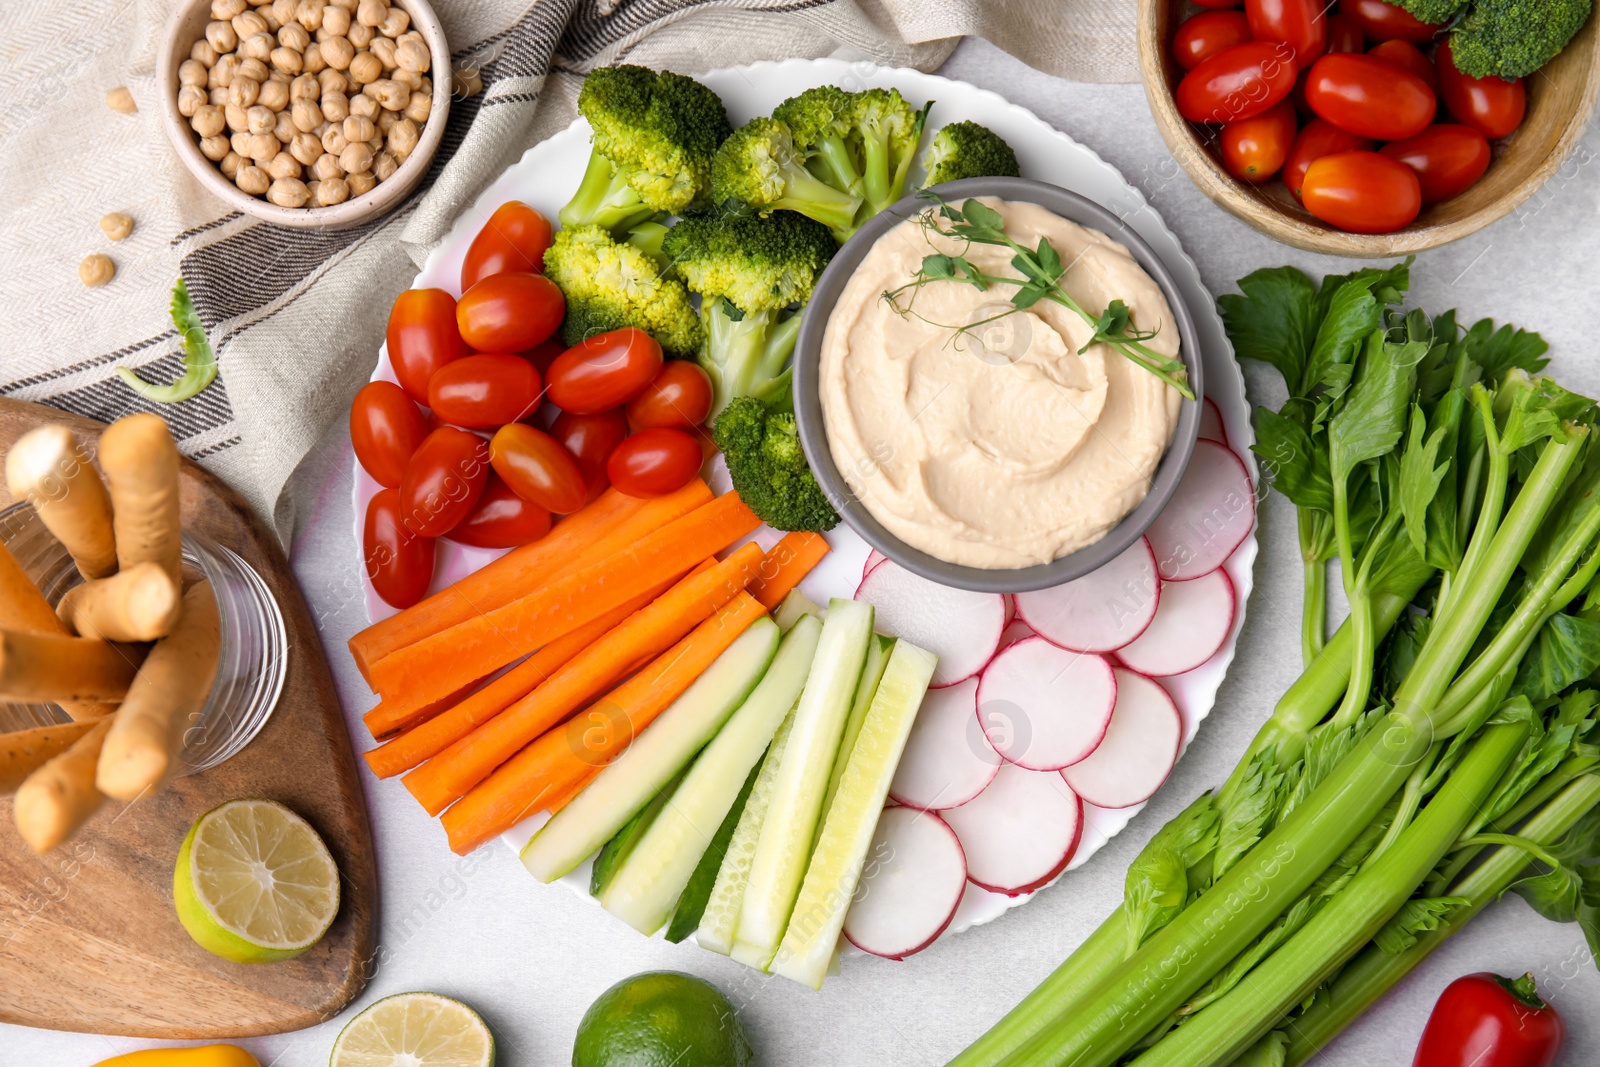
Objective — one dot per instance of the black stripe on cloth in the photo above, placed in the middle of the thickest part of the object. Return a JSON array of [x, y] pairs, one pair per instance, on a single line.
[[531, 42], [195, 231], [220, 446], [591, 32], [85, 364]]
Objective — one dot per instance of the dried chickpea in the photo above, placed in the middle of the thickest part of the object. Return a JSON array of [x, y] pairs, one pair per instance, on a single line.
[[364, 105], [389, 93], [284, 165], [96, 269], [305, 87], [230, 165], [293, 35], [253, 69], [466, 82], [239, 142], [413, 55], [384, 165], [221, 36], [403, 138], [424, 86], [283, 11], [272, 21], [193, 72], [252, 179], [371, 12], [335, 22], [115, 225], [214, 148], [309, 13], [119, 99], [360, 35], [409, 78], [312, 185], [283, 128], [202, 52], [420, 107], [326, 167], [356, 157], [347, 5], [333, 81], [358, 128], [288, 60], [315, 62], [410, 35], [386, 121], [218, 97], [222, 73], [361, 183], [307, 115], [384, 49], [257, 46], [259, 119], [338, 51], [396, 22], [274, 94], [208, 120], [226, 9], [376, 144], [365, 67], [261, 147], [333, 140], [236, 117], [190, 99], [330, 192], [335, 107], [243, 91], [248, 24], [305, 147]]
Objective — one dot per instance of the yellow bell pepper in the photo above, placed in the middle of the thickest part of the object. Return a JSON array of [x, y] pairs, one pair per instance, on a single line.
[[203, 1056]]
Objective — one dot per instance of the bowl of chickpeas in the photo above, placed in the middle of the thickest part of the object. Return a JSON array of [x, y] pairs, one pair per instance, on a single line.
[[306, 113]]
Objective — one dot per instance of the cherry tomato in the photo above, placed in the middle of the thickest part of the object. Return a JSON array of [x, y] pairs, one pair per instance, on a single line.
[[1344, 34], [537, 468], [544, 353], [399, 563], [385, 428], [444, 480], [484, 390], [654, 462], [1316, 139], [1362, 192], [591, 439], [1366, 95], [1300, 24], [604, 371], [1203, 36], [1382, 21], [1216, 4], [514, 239], [1237, 83], [501, 519], [1253, 150], [1492, 106], [422, 338], [679, 397], [1408, 57], [1484, 1020], [1448, 159], [510, 312]]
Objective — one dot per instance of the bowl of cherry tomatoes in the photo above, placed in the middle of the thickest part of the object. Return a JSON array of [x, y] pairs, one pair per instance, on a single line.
[[1346, 127]]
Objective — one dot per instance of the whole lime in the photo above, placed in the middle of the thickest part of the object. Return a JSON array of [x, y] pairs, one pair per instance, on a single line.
[[661, 1019]]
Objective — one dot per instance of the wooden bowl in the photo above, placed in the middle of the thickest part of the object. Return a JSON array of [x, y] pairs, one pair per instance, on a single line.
[[1561, 97]]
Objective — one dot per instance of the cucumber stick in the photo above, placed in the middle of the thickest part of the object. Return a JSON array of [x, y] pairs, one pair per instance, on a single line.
[[877, 659], [794, 606], [830, 884], [791, 825], [648, 884], [610, 857], [692, 902], [654, 758]]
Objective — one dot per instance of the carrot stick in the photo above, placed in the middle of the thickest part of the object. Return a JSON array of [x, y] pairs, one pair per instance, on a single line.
[[612, 522], [53, 667], [561, 760], [435, 666], [23, 607], [566, 796], [384, 720], [644, 634], [24, 751], [50, 469], [141, 465], [788, 561], [60, 796]]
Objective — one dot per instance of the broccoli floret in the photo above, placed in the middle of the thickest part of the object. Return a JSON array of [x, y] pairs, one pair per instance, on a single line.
[[1514, 38], [654, 138], [820, 121], [968, 150], [1434, 12], [768, 468], [760, 168], [886, 132], [609, 285]]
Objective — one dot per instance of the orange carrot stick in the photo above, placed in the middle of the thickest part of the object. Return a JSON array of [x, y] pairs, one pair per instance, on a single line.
[[613, 521], [385, 720], [433, 667], [646, 633], [558, 763], [788, 561]]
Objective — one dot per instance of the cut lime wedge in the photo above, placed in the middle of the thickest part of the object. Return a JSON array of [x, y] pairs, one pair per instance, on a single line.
[[415, 1030]]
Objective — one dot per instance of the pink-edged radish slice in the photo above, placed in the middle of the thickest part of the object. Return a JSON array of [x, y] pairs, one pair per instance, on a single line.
[[947, 761], [1011, 607], [1045, 708], [873, 559], [911, 886], [1016, 630], [962, 628], [1139, 749], [1211, 425], [1019, 833], [1103, 610], [1190, 626], [1209, 515]]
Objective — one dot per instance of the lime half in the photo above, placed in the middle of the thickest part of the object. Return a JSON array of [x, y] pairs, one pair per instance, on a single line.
[[254, 882], [415, 1030]]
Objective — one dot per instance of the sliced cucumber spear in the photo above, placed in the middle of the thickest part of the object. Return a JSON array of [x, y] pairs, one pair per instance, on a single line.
[[835, 870], [877, 659], [611, 855], [791, 825], [692, 904], [620, 791], [794, 606], [648, 884]]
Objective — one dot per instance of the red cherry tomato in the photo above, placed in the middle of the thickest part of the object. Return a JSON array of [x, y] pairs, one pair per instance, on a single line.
[[385, 428], [604, 371], [1407, 57], [1366, 95], [443, 480], [1362, 192], [501, 519], [1344, 34], [544, 353], [1300, 24], [1448, 159], [1237, 83], [399, 563], [514, 239], [654, 462], [537, 468], [485, 390], [1484, 1020], [1203, 36], [1316, 139], [1253, 150], [1217, 4], [591, 439], [1492, 106], [509, 312], [422, 338], [1382, 21], [678, 398]]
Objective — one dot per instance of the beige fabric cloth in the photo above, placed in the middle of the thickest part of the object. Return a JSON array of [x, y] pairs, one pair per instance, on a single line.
[[296, 317]]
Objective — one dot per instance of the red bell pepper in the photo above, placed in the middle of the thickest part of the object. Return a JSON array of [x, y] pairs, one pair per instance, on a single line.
[[1484, 1020]]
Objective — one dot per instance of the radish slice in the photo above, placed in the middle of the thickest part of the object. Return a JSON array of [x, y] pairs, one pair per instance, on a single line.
[[1015, 631], [911, 886], [960, 627], [1103, 610], [1139, 749], [1011, 606], [1043, 707], [947, 761], [1209, 515], [1211, 425], [873, 559], [1190, 626], [1020, 832]]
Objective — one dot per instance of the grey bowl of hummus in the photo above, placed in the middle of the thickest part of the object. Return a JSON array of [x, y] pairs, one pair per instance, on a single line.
[[981, 445]]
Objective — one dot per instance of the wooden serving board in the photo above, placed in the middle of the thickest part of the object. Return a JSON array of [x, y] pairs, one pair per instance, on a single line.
[[89, 939]]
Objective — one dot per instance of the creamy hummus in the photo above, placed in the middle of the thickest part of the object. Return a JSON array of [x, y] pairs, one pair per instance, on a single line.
[[1002, 447]]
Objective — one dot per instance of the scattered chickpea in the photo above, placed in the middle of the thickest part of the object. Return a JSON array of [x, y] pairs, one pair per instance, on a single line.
[[326, 167], [252, 179], [202, 52], [116, 226], [288, 192], [230, 165], [361, 183], [119, 99], [395, 22], [357, 157], [96, 269], [413, 55], [191, 98], [330, 192], [335, 107], [274, 94], [360, 35], [221, 37], [466, 82], [305, 147], [403, 138], [214, 148]]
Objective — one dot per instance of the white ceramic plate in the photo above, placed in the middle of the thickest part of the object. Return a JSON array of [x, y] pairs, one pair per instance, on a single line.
[[548, 174]]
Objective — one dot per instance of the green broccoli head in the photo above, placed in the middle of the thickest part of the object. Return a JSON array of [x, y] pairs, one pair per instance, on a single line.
[[1514, 38], [757, 263], [759, 167], [887, 130], [768, 467], [820, 121], [610, 285], [968, 150], [1431, 11]]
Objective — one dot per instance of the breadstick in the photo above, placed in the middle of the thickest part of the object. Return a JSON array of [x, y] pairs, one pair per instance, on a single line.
[[54, 667], [138, 603], [141, 463], [24, 751], [49, 468], [168, 694], [60, 796], [23, 607]]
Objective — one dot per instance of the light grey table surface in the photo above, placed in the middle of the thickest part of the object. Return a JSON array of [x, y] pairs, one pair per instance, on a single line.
[[531, 958]]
